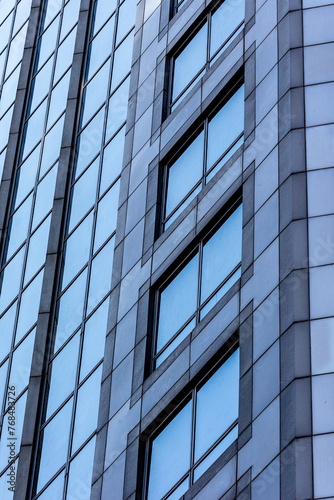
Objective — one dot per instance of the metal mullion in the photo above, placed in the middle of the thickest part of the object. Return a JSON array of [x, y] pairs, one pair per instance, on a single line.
[[205, 152], [193, 430], [208, 43], [199, 285], [163, 217]]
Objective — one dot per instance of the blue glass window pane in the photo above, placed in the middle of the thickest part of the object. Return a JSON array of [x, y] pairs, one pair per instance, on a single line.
[[52, 9], [6, 331], [34, 129], [192, 57], [44, 196], [87, 409], [51, 148], [225, 127], [183, 206], [222, 253], [70, 310], [18, 227], [122, 61], [77, 250], [95, 92], [54, 447], [104, 9], [70, 17], [100, 47], [180, 490], [29, 307], [5, 8], [106, 216], [58, 99], [178, 301], [170, 452], [215, 453], [21, 364], [217, 405], [65, 55], [83, 194], [27, 176], [81, 471], [89, 142], [11, 277], [224, 159], [41, 84], [185, 173], [94, 339], [126, 18], [55, 490], [16, 50], [112, 160], [225, 21], [22, 13], [118, 108], [37, 250], [48, 42], [63, 372], [100, 279]]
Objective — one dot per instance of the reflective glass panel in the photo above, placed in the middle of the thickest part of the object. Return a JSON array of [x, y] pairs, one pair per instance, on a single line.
[[126, 18], [34, 129], [58, 99], [185, 173], [178, 301], [192, 57], [77, 249], [37, 250], [100, 47], [48, 42], [217, 405], [70, 15], [95, 93], [54, 445], [94, 339], [11, 277], [83, 194], [44, 197], [225, 127], [170, 452], [224, 21], [65, 55], [55, 490], [70, 309], [80, 474], [21, 364], [122, 61], [106, 216], [118, 108], [100, 278], [222, 253], [89, 142], [18, 229], [41, 84], [112, 160], [87, 409], [29, 307], [103, 10], [63, 372], [26, 176]]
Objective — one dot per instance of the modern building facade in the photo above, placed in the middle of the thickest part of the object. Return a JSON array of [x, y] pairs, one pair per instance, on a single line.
[[167, 249]]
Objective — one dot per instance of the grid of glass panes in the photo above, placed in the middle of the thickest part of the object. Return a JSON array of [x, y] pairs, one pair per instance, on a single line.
[[218, 29], [204, 278], [75, 365], [199, 433], [208, 150], [14, 16], [27, 232]]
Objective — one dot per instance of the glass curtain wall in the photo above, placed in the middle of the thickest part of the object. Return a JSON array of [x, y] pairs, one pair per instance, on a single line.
[[75, 363], [24, 253], [14, 16]]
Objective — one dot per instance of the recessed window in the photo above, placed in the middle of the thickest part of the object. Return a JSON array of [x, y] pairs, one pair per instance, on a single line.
[[203, 279], [212, 145], [201, 431], [218, 29]]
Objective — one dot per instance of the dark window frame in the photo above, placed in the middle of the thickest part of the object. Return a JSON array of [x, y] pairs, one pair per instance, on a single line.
[[205, 18], [186, 396], [197, 248], [234, 85]]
